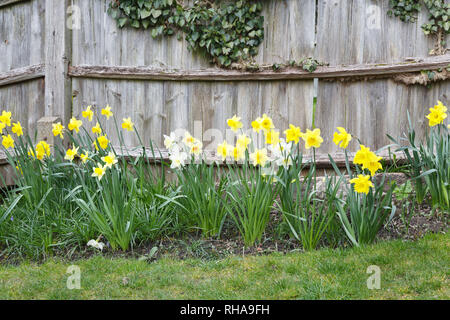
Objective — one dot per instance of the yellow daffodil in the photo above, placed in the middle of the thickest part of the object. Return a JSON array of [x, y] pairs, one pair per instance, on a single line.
[[257, 125], [58, 130], [97, 130], [312, 138], [362, 184], [235, 123], [88, 113], [272, 136], [17, 129], [42, 149], [243, 141], [259, 157], [363, 155], [5, 117], [84, 156], [223, 150], [107, 112], [2, 126], [109, 160], [127, 124], [266, 123], [238, 153], [75, 124], [71, 153], [99, 171], [293, 134], [437, 114], [343, 138], [373, 163], [8, 141], [103, 141]]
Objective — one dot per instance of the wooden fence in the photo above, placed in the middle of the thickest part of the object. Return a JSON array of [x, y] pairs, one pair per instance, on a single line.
[[49, 69]]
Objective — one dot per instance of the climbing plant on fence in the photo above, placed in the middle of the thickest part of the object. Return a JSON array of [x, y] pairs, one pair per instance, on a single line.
[[407, 11], [227, 32]]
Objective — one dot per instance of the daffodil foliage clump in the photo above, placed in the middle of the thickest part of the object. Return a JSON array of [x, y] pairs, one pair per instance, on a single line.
[[83, 192]]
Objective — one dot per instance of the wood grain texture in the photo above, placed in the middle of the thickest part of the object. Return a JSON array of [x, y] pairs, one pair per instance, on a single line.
[[25, 101], [216, 74], [22, 74], [58, 43], [21, 35], [4, 3], [202, 108], [348, 33]]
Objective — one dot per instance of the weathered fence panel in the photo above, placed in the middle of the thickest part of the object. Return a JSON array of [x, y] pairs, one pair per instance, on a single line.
[[354, 32], [160, 107], [22, 25]]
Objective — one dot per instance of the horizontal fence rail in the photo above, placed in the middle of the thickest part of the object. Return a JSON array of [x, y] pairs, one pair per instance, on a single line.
[[288, 73]]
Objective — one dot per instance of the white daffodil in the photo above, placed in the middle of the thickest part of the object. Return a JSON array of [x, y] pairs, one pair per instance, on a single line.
[[170, 141], [178, 158], [95, 244]]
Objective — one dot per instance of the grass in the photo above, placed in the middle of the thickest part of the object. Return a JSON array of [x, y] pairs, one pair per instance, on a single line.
[[409, 270]]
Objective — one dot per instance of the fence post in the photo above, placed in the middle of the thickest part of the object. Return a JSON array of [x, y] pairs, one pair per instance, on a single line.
[[58, 52]]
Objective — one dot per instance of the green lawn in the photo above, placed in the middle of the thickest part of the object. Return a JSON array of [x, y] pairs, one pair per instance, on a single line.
[[409, 270]]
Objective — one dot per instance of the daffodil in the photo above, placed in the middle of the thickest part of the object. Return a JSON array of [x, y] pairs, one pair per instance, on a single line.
[[267, 123], [103, 141], [285, 162], [272, 136], [97, 129], [88, 113], [84, 156], [5, 117], [312, 138], [177, 158], [58, 129], [196, 148], [75, 124], [259, 157], [257, 125], [71, 153], [362, 184], [238, 153], [8, 141], [188, 139], [95, 244], [127, 124], [223, 150], [373, 163], [107, 112], [170, 141], [293, 134], [99, 171], [243, 141], [437, 114], [42, 150], [343, 138], [235, 123], [109, 160], [363, 155], [17, 129]]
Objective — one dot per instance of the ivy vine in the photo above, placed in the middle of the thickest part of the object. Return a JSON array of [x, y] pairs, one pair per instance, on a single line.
[[226, 32], [439, 18]]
